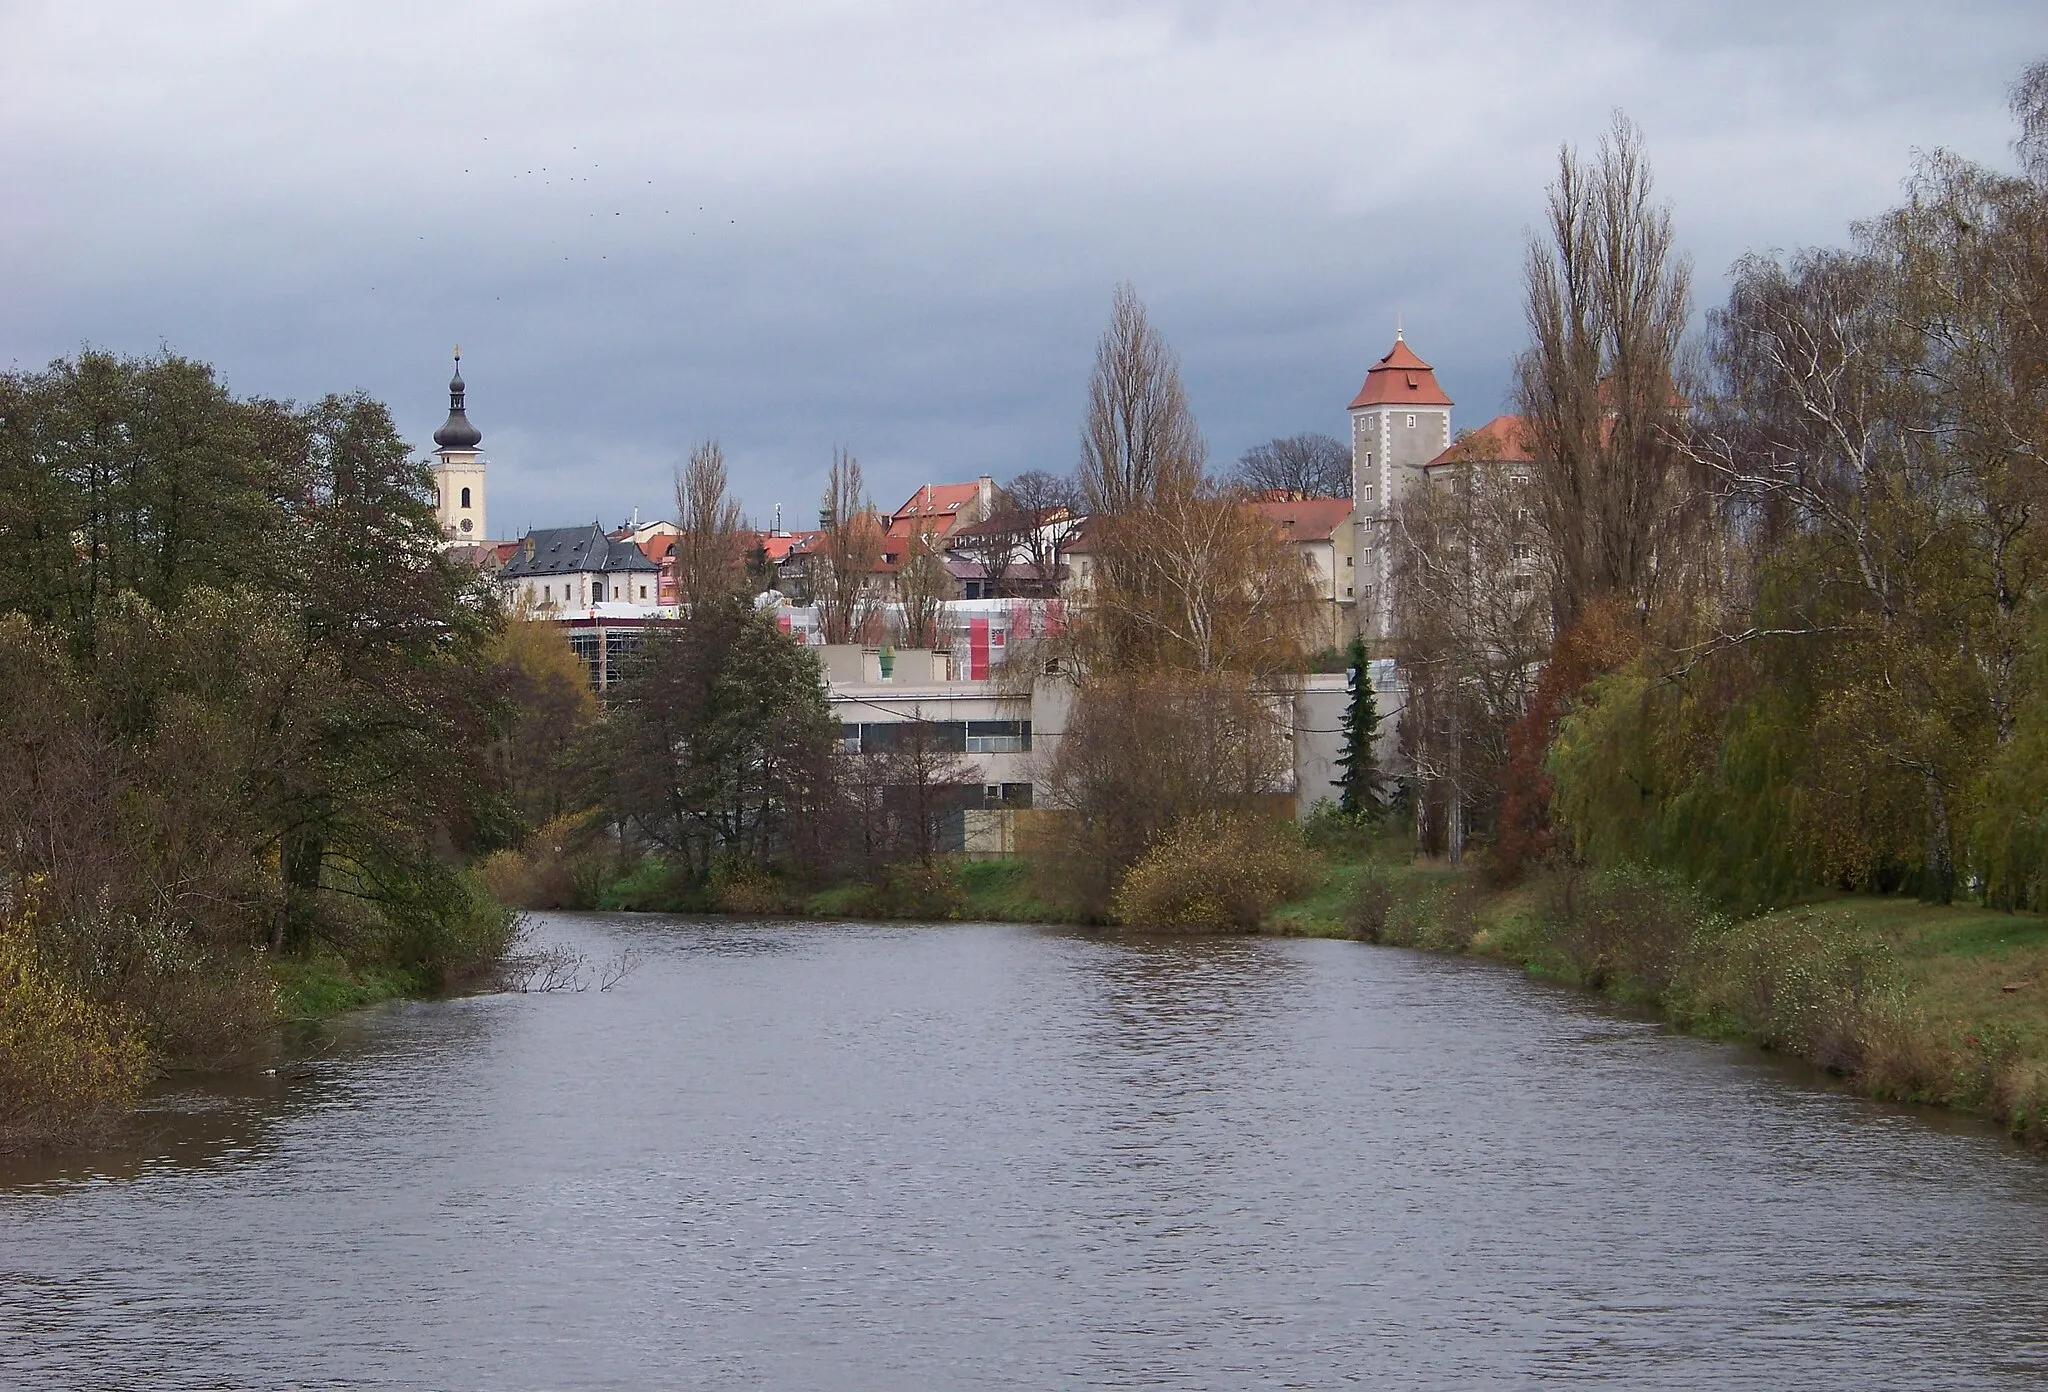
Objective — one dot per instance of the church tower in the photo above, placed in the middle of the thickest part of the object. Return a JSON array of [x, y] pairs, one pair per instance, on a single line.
[[459, 470], [1400, 420]]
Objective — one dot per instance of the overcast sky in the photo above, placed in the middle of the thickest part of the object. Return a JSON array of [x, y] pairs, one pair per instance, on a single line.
[[896, 225]]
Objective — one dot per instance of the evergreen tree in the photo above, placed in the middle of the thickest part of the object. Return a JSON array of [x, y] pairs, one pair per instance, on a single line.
[[1359, 784]]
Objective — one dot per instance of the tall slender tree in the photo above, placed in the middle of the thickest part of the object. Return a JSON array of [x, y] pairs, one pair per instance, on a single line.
[[1138, 438], [711, 560]]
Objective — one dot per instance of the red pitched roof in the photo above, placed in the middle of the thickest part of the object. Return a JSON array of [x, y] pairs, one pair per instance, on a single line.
[[1400, 378], [938, 500], [1501, 438], [1307, 519]]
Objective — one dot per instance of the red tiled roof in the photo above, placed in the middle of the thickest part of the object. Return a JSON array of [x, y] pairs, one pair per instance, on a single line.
[[1501, 438], [938, 500], [1400, 378], [1307, 519]]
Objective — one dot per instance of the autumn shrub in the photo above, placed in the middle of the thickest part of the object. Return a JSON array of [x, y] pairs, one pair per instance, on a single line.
[[1813, 984], [1627, 928], [563, 865], [193, 1003], [742, 888], [1372, 902], [913, 891], [1215, 874], [64, 1059]]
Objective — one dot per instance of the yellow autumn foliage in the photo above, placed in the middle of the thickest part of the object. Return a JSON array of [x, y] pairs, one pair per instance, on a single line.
[[63, 1059], [1213, 874]]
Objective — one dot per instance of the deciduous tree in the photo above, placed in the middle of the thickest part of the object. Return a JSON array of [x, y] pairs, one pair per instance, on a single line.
[[1311, 465]]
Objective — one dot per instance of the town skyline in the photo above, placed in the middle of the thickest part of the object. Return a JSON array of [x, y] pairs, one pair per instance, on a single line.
[[898, 231]]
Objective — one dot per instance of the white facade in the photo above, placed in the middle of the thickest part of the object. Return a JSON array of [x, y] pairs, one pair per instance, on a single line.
[[459, 495]]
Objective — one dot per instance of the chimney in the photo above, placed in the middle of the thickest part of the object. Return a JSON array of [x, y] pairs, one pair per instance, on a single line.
[[985, 496]]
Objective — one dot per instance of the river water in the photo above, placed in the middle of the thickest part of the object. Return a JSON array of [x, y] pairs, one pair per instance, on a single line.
[[859, 1156]]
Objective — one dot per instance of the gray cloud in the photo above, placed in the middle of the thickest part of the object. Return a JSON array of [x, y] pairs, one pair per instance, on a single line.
[[895, 225]]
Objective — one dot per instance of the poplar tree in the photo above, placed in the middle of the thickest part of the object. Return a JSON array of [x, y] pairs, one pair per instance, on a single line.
[[1359, 784]]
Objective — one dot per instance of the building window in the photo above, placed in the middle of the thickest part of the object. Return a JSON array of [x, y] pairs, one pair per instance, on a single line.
[[597, 592], [547, 592], [1347, 592], [998, 736], [465, 497], [1411, 422]]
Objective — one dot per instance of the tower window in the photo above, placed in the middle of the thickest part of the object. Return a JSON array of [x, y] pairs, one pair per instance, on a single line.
[[465, 492]]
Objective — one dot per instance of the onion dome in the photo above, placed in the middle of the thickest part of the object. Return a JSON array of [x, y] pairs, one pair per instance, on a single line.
[[458, 433]]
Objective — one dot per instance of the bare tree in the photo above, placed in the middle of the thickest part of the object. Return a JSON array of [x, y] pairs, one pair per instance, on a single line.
[[2030, 108], [923, 585], [1142, 752], [1608, 300], [710, 552], [849, 547], [1195, 581], [1138, 436], [1053, 506], [1299, 466], [995, 544], [1469, 628], [903, 787]]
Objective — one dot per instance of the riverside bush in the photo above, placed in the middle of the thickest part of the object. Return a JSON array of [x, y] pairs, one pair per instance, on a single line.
[[562, 866], [1628, 929], [1813, 985], [1372, 900], [64, 1059], [1216, 875], [930, 892]]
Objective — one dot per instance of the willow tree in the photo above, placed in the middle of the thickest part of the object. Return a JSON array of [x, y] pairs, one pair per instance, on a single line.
[[1878, 429]]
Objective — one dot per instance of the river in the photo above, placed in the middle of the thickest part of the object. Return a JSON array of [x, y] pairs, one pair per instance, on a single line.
[[889, 1156]]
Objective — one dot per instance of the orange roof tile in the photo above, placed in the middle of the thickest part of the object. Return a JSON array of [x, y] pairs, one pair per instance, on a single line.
[[938, 500], [1306, 519], [1400, 378], [1501, 438]]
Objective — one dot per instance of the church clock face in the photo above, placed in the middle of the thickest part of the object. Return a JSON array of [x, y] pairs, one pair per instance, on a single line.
[[468, 525]]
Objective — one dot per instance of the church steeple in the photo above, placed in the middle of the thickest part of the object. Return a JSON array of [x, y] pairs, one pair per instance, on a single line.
[[458, 433], [459, 469]]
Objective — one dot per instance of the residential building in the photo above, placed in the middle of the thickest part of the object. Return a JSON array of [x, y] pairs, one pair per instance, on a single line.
[[1321, 532], [565, 569]]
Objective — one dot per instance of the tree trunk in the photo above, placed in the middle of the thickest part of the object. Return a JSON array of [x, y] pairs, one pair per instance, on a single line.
[[1939, 878]]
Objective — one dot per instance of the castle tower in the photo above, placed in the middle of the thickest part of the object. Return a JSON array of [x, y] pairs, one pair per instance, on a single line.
[[459, 469], [1400, 420]]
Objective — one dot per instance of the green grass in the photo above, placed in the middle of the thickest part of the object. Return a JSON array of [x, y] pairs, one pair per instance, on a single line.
[[1004, 891], [314, 988]]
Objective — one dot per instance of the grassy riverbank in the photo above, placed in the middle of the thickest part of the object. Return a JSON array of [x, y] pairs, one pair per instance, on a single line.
[[1915, 1002]]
